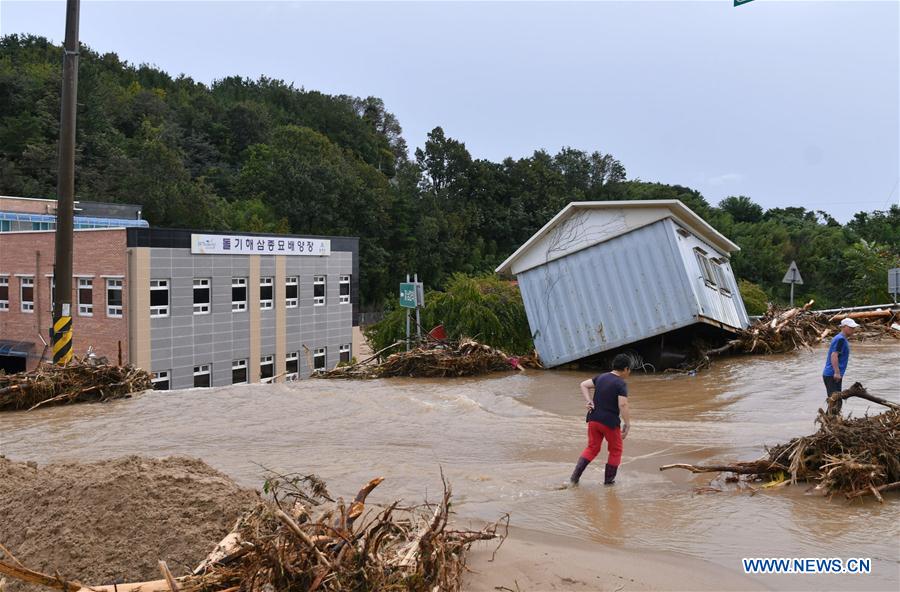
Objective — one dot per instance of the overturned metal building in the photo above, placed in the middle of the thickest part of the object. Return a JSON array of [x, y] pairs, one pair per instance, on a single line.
[[647, 275]]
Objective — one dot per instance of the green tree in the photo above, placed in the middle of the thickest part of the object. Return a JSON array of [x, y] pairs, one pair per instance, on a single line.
[[742, 209]]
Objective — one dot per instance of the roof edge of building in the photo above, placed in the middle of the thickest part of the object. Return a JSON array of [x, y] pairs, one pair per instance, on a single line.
[[680, 211]]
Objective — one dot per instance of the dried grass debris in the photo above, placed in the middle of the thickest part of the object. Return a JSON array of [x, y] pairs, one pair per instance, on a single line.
[[77, 382]]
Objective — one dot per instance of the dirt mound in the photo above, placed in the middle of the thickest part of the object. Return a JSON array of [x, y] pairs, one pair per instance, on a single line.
[[110, 521]]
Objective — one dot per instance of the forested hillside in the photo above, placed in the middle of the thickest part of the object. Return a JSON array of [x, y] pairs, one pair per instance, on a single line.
[[263, 155]]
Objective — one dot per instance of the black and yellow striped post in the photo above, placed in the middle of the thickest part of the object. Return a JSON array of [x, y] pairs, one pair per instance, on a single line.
[[62, 340]]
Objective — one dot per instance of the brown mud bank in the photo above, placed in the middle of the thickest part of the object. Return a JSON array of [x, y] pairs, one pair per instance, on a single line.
[[113, 520]]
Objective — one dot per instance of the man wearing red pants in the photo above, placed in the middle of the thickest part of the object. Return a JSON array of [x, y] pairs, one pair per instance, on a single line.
[[610, 400]]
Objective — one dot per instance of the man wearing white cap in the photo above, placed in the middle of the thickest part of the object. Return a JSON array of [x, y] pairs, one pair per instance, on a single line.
[[838, 356]]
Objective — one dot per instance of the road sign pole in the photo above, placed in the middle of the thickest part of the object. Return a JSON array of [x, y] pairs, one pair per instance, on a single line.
[[407, 320], [418, 306], [792, 277]]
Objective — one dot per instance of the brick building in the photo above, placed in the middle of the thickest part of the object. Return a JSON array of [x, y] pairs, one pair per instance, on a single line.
[[196, 309]]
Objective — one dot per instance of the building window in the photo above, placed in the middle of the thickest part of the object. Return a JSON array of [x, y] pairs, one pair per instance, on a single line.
[[114, 298], [721, 278], [26, 294], [201, 376], [239, 372], [345, 289], [266, 369], [85, 297], [52, 293], [201, 296], [160, 380], [319, 359], [291, 292], [345, 354], [159, 298], [4, 293], [238, 294], [265, 293], [705, 266], [319, 290], [292, 366]]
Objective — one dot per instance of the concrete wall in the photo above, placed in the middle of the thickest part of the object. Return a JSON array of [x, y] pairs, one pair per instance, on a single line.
[[98, 254]]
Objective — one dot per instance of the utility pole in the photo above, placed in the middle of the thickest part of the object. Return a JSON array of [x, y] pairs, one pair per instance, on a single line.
[[65, 192]]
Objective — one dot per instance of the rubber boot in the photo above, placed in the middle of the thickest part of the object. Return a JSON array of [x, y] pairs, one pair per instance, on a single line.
[[580, 466], [610, 476]]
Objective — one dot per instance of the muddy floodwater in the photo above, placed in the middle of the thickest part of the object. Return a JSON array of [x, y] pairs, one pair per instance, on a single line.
[[506, 443]]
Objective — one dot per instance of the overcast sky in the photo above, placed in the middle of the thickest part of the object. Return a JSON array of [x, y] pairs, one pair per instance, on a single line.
[[790, 103]]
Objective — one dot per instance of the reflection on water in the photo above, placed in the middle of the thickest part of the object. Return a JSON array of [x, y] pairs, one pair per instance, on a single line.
[[507, 443]]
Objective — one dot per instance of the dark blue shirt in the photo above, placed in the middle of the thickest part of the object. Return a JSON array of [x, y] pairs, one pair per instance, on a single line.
[[607, 390], [840, 345]]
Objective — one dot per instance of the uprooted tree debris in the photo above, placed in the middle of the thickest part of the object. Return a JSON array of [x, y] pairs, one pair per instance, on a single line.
[[854, 456], [76, 382], [782, 331], [436, 359], [304, 540]]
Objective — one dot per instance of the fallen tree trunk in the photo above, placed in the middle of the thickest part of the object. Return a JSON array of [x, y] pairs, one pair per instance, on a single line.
[[836, 400], [24, 574], [868, 314], [757, 467]]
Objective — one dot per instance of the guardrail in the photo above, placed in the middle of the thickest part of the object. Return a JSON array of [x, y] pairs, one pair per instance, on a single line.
[[887, 306]]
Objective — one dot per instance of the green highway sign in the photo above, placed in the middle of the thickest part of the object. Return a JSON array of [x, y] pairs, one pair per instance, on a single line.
[[408, 295]]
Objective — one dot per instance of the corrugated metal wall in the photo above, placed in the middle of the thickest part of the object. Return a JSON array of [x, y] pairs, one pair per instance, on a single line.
[[618, 292]]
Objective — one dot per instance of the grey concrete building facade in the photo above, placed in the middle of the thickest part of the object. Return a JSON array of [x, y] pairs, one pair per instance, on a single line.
[[215, 319]]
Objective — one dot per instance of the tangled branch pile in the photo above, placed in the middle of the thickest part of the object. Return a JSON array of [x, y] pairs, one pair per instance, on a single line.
[[320, 544], [75, 383], [780, 331], [853, 456], [441, 359]]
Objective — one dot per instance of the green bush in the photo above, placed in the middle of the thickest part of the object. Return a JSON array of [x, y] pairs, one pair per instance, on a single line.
[[755, 298], [482, 307]]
